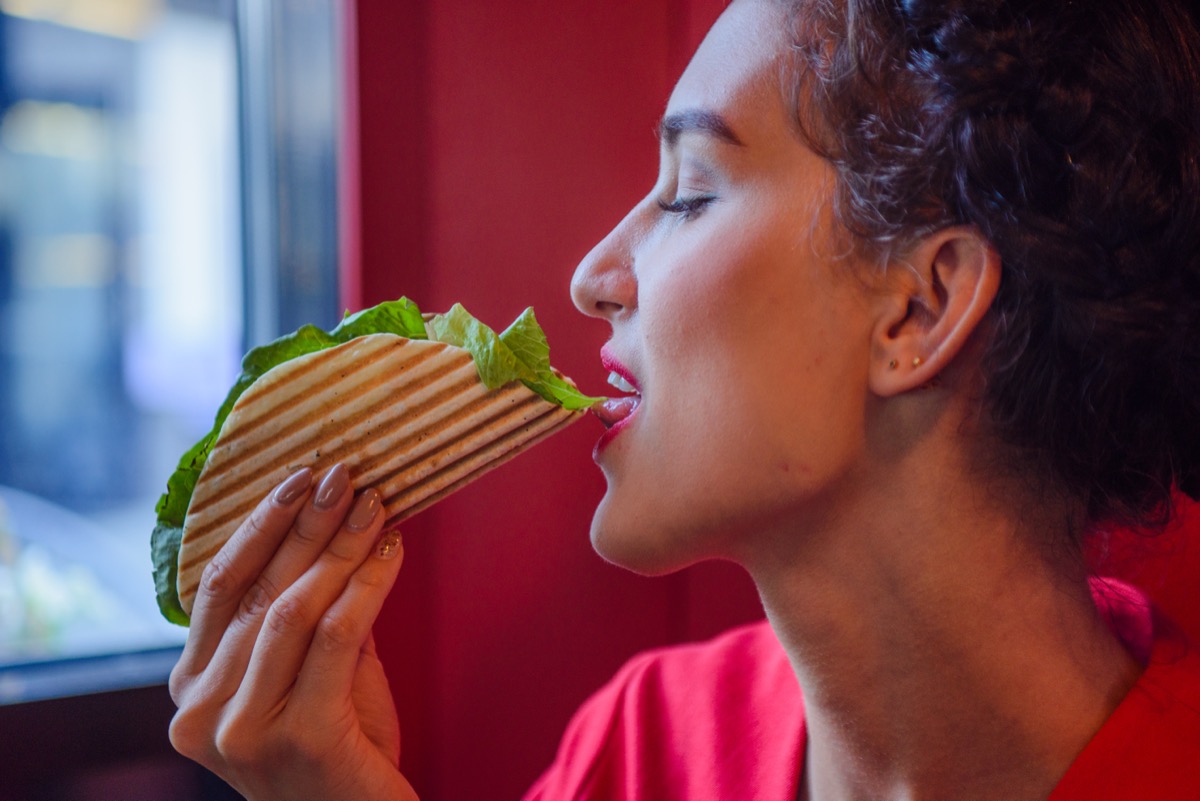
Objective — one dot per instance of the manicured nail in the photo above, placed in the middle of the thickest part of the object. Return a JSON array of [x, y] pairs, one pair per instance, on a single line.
[[332, 487], [296, 485], [364, 510], [390, 544]]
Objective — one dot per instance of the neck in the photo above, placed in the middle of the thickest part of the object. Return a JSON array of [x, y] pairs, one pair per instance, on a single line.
[[941, 654]]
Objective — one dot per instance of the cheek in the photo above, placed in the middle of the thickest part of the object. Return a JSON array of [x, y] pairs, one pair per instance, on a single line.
[[738, 307], [722, 276]]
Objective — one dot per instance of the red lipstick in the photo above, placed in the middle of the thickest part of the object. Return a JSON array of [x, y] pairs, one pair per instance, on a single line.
[[612, 365], [616, 413]]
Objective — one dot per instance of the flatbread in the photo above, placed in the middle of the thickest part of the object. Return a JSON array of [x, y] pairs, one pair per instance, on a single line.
[[408, 417]]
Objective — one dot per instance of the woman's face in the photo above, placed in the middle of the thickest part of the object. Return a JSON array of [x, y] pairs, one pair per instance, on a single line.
[[732, 313]]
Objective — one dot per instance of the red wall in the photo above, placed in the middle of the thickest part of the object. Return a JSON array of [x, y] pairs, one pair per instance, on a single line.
[[496, 142]]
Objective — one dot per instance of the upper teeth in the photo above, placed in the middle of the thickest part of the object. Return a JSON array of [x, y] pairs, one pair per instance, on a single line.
[[620, 383]]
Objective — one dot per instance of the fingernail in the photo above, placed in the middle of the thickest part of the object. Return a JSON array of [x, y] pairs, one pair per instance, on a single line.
[[332, 487], [295, 486], [390, 544], [364, 511]]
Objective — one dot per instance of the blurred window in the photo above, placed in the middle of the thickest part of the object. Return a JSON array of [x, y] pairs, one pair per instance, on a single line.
[[146, 149]]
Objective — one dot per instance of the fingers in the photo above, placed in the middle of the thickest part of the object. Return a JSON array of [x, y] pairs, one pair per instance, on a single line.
[[236, 566], [343, 635], [314, 525], [288, 630], [282, 539], [280, 655]]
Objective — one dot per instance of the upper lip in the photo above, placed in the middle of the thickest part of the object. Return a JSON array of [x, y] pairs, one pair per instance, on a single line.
[[613, 365]]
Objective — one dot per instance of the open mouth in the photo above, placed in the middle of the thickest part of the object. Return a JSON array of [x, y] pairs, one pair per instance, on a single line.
[[616, 412], [613, 411]]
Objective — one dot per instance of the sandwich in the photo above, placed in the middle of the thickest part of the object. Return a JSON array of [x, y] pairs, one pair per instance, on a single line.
[[416, 406]]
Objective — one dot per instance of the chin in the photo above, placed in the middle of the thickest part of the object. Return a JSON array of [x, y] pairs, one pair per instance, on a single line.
[[642, 544]]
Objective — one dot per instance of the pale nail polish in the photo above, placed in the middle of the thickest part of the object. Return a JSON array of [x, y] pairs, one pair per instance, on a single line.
[[364, 510], [332, 487], [295, 486]]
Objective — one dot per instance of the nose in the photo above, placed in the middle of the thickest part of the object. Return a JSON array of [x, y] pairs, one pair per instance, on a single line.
[[604, 284]]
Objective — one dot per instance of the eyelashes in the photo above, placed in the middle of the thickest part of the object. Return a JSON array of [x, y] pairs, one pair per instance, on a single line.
[[686, 207]]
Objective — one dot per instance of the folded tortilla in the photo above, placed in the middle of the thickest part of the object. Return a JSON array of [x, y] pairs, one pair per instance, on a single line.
[[410, 418]]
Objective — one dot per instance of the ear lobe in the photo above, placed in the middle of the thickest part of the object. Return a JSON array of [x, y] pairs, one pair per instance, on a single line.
[[938, 293]]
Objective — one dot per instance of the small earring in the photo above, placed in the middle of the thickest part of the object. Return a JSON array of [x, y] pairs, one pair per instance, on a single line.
[[916, 361], [893, 364]]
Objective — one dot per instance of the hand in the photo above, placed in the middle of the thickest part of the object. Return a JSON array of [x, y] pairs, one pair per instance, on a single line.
[[279, 689]]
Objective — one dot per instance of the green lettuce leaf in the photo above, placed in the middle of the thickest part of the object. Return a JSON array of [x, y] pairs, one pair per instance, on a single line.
[[495, 362], [528, 343], [521, 353], [164, 552]]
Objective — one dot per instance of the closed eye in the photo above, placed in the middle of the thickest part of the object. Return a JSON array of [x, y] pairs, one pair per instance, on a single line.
[[686, 207]]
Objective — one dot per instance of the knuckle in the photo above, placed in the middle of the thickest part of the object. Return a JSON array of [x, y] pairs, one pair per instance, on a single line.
[[219, 579], [188, 734], [338, 632], [258, 599], [307, 532], [287, 615], [177, 683], [237, 747], [342, 555], [255, 525], [179, 734], [372, 579], [222, 578], [307, 745], [245, 746]]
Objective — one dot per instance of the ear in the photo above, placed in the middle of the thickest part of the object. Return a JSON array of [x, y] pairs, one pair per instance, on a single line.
[[933, 299]]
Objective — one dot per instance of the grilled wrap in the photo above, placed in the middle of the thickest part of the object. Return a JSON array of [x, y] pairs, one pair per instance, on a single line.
[[416, 411]]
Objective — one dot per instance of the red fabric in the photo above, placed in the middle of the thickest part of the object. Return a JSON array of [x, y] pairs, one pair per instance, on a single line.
[[718, 720], [1149, 748], [725, 720]]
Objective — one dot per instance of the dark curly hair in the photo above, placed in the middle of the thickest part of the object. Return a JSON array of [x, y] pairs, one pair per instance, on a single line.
[[1068, 133]]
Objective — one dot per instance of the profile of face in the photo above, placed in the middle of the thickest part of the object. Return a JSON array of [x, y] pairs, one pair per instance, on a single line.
[[736, 313]]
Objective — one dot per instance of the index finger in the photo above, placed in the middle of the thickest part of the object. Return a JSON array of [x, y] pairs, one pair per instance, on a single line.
[[236, 566]]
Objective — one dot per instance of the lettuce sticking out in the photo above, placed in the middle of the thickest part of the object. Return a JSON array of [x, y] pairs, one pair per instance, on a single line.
[[528, 342], [521, 353]]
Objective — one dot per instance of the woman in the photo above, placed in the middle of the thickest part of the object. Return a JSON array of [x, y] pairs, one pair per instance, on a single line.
[[909, 310]]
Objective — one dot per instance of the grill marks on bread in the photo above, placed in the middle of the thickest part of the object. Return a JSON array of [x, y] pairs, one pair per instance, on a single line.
[[408, 417]]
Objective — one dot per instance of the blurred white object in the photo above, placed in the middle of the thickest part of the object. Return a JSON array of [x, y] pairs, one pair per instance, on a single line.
[[69, 589]]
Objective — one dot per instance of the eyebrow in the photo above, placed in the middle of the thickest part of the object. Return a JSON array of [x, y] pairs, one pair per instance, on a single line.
[[696, 120]]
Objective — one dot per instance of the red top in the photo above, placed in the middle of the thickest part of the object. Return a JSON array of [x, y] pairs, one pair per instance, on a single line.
[[725, 720]]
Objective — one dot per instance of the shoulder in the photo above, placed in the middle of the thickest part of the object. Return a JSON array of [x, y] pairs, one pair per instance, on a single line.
[[688, 721], [1157, 726], [745, 660], [1147, 748], [723, 680]]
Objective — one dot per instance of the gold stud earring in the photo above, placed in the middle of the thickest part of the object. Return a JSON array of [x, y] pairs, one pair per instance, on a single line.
[[916, 361]]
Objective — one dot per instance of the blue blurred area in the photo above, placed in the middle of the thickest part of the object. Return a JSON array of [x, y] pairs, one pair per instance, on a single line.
[[120, 291], [60, 334], [168, 198]]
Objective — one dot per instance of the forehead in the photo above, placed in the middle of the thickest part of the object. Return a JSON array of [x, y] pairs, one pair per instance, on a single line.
[[740, 64]]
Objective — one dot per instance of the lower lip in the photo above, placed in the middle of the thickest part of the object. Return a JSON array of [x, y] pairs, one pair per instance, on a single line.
[[609, 435]]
